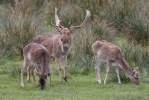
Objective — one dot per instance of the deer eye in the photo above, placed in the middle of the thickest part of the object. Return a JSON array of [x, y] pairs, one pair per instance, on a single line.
[[62, 40]]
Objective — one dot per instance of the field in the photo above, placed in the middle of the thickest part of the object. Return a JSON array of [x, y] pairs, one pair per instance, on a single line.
[[78, 87], [121, 22]]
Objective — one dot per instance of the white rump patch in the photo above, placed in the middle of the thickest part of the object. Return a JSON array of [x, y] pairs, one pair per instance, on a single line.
[[29, 57]]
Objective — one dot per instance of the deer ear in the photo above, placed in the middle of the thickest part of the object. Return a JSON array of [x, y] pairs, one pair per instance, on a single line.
[[59, 29], [136, 69], [71, 29]]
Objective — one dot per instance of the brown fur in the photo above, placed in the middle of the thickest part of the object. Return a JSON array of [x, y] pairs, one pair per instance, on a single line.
[[38, 56], [111, 54], [59, 45]]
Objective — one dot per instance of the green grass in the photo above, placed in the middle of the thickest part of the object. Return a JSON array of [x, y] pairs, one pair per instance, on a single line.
[[78, 87]]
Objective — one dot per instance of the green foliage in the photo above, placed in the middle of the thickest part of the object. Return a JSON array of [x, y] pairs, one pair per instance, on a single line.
[[128, 17], [136, 22], [18, 24]]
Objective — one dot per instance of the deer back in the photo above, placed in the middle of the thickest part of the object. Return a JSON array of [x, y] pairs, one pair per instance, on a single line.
[[37, 55], [58, 45], [106, 51]]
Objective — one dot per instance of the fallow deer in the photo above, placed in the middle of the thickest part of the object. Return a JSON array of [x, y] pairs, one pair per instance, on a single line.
[[59, 45], [111, 54], [38, 56]]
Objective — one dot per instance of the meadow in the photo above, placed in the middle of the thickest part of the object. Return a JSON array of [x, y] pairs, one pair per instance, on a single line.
[[80, 86], [122, 22]]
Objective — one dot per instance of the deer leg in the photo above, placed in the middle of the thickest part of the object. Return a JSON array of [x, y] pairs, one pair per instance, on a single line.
[[28, 73], [97, 71], [38, 69], [59, 68], [50, 79], [107, 71], [64, 61], [32, 71], [118, 76], [25, 64]]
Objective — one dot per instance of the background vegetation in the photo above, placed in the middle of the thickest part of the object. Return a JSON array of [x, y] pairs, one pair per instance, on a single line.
[[122, 22]]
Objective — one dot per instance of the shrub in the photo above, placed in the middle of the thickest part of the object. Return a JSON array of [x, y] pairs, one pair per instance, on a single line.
[[18, 24]]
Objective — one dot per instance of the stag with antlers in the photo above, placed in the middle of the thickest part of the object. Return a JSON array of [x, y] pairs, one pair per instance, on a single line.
[[59, 45]]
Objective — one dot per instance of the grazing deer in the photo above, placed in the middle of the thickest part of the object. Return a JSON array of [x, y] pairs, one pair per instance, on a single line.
[[38, 56], [59, 45], [111, 54]]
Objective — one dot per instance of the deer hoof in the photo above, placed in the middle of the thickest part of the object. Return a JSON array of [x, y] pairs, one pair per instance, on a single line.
[[29, 81], [61, 81], [98, 81], [65, 78], [104, 83], [51, 85], [119, 83], [22, 85], [35, 83]]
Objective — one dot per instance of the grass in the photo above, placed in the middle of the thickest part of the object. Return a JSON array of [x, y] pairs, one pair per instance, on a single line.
[[78, 87]]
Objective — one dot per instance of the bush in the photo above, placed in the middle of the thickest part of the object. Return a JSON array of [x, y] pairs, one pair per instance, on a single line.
[[19, 23]]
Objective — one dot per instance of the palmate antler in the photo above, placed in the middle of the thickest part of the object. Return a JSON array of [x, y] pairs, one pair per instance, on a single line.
[[57, 20], [88, 14]]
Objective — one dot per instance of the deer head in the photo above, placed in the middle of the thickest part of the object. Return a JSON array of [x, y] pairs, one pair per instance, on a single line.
[[42, 80], [134, 76], [65, 39]]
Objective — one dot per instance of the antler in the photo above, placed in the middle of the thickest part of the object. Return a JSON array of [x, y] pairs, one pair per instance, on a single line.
[[57, 20], [88, 14]]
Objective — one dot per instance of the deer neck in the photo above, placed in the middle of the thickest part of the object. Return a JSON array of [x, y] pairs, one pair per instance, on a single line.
[[45, 63], [65, 47], [124, 65]]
